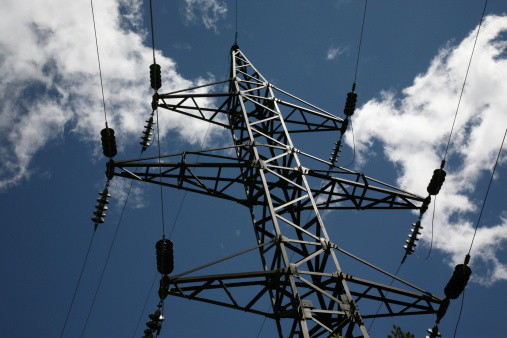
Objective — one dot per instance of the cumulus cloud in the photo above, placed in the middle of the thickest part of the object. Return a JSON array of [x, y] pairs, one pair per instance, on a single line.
[[49, 83], [413, 130], [208, 12]]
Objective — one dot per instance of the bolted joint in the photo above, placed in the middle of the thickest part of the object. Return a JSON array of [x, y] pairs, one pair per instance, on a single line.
[[302, 170], [154, 101], [293, 270], [163, 290], [110, 169], [325, 244]]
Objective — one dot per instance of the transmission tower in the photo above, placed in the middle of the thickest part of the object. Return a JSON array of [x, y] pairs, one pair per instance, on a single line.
[[263, 171]]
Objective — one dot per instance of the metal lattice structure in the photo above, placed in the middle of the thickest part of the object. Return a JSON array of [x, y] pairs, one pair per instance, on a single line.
[[301, 276]]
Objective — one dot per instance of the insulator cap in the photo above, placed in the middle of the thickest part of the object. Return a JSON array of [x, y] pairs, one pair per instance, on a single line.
[[165, 256], [350, 104], [433, 332], [154, 325], [108, 142], [436, 181], [155, 76], [458, 281], [156, 316]]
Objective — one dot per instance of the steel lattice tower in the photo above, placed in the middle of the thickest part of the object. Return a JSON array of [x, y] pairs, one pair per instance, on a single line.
[[301, 275]]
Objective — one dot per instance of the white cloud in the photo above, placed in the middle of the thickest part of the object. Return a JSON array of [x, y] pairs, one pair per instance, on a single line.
[[414, 130], [49, 81], [333, 52], [209, 12], [121, 189]]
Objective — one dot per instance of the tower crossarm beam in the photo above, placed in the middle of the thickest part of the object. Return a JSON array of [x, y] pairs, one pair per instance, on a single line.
[[198, 106], [361, 193], [221, 179], [249, 291]]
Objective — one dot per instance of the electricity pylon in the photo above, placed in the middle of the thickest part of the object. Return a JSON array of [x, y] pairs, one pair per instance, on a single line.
[[301, 276]]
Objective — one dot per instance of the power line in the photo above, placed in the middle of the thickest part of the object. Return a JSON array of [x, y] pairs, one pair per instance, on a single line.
[[78, 282], [464, 82], [487, 191], [439, 174], [360, 42], [98, 59], [107, 259]]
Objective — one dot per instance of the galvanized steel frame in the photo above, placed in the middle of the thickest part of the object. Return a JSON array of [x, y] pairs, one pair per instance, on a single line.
[[301, 273]]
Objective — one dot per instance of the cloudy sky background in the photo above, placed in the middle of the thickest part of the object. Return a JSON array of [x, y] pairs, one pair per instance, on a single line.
[[413, 63]]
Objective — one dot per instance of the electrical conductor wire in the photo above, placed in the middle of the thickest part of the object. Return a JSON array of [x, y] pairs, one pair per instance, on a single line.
[[464, 82], [487, 191], [105, 118], [98, 59], [380, 306], [477, 225], [158, 127], [107, 259], [454, 121], [146, 302], [355, 78], [78, 281], [360, 41]]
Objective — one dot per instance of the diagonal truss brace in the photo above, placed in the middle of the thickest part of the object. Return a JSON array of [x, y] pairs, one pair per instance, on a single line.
[[228, 290], [220, 179]]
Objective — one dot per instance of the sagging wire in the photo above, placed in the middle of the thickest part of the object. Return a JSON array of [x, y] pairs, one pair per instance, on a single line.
[[462, 272], [156, 318], [107, 259], [109, 151], [432, 232], [439, 174], [387, 293], [77, 286], [479, 220], [350, 105], [146, 302]]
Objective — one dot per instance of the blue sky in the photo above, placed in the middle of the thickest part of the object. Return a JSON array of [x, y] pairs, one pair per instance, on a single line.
[[413, 61]]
